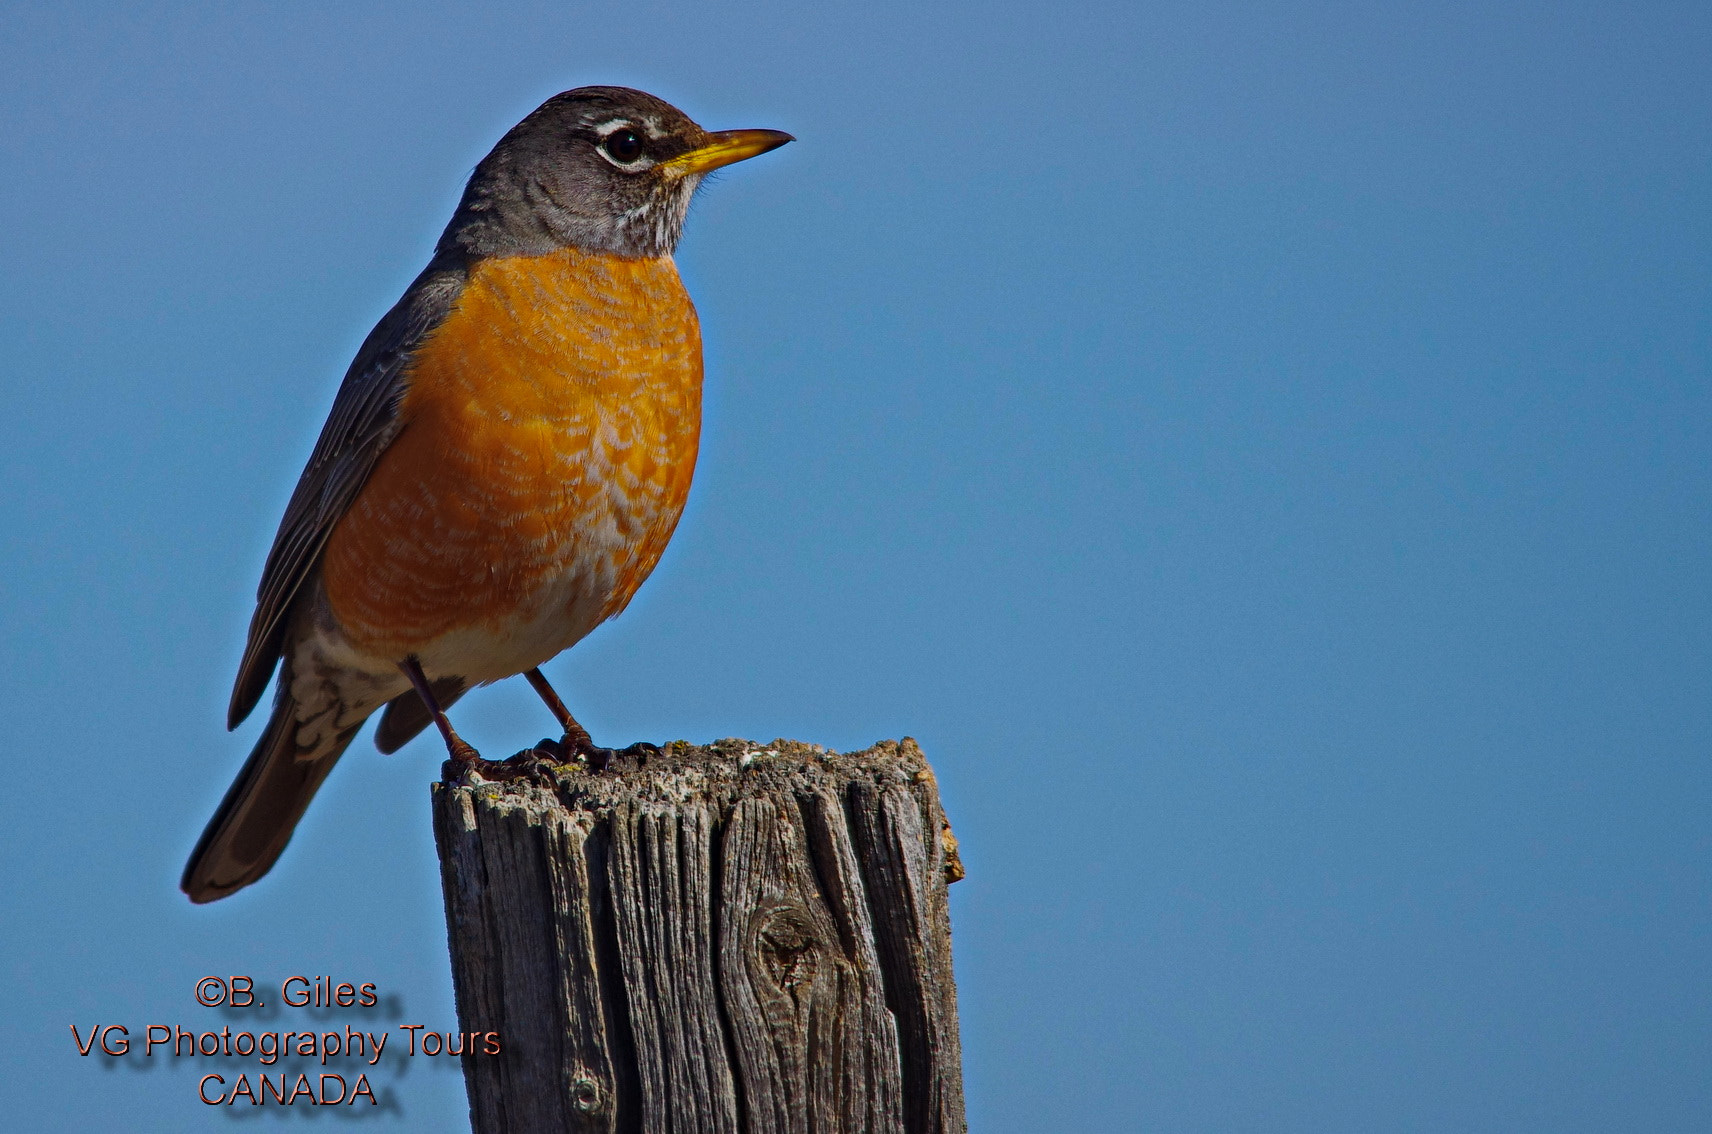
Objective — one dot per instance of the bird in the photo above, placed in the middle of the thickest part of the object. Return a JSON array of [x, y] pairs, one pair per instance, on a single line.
[[503, 465]]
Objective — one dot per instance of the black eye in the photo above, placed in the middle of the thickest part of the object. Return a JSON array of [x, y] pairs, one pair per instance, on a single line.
[[623, 146]]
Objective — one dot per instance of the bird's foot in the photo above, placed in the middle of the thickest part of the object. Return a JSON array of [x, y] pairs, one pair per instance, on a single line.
[[541, 763], [537, 765], [546, 749], [578, 746]]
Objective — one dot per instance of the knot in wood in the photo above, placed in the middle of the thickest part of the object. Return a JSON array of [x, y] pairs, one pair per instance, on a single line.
[[585, 1094], [783, 944]]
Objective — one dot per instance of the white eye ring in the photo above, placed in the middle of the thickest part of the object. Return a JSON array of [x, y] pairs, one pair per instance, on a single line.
[[612, 135]]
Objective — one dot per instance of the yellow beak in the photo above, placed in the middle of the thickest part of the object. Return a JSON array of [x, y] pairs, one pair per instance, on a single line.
[[724, 148]]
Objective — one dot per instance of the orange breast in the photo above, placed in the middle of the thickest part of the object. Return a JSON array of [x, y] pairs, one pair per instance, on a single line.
[[549, 430]]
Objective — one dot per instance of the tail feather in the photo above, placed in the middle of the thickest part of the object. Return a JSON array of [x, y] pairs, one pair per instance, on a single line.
[[262, 807]]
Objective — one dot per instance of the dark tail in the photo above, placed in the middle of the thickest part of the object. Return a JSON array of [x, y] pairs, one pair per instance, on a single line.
[[262, 806]]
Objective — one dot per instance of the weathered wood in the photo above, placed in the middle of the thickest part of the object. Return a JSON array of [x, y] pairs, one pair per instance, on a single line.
[[737, 939]]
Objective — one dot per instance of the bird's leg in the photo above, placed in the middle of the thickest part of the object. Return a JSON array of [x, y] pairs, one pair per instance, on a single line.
[[456, 746], [577, 741]]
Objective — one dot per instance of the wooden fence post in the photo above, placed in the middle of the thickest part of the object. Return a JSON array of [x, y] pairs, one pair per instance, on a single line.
[[735, 939]]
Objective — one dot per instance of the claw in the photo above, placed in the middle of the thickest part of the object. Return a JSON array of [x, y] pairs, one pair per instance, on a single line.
[[601, 759]]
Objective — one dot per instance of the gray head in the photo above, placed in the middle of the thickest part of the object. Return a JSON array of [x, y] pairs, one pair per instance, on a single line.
[[606, 169]]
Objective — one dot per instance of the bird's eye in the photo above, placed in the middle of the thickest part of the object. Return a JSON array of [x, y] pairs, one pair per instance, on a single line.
[[622, 146]]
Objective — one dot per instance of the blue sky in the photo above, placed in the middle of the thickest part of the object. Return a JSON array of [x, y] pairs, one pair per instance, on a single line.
[[1261, 451]]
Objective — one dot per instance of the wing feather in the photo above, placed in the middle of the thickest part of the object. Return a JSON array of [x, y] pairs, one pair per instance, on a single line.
[[363, 421]]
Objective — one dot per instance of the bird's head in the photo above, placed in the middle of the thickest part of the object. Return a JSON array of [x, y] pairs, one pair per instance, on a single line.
[[605, 169]]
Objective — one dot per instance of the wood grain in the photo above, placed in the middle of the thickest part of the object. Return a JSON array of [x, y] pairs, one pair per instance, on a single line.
[[733, 939]]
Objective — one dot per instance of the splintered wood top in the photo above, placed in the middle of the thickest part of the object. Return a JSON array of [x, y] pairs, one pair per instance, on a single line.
[[717, 773]]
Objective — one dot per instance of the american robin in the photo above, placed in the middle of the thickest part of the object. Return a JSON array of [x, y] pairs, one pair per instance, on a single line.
[[503, 465]]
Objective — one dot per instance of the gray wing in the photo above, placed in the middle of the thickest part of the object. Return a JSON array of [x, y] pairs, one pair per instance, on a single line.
[[363, 422]]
